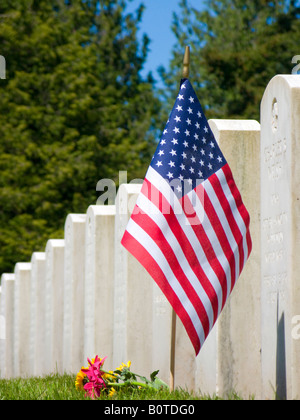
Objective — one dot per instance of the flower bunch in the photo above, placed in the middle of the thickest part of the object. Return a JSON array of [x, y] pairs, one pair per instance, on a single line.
[[95, 380]]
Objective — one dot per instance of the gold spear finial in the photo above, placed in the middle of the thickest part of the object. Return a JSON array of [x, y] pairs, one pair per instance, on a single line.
[[186, 63]]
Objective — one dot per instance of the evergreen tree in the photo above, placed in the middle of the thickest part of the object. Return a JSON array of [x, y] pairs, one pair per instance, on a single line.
[[74, 109], [237, 47]]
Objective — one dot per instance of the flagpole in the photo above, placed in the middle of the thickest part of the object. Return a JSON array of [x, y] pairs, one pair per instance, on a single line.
[[186, 63], [172, 355], [185, 75]]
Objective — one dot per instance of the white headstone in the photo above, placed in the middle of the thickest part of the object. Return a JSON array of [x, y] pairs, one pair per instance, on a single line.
[[73, 331], [238, 328], [133, 294], [161, 334], [37, 327], [54, 305], [99, 275], [7, 325], [22, 366], [230, 357], [280, 236]]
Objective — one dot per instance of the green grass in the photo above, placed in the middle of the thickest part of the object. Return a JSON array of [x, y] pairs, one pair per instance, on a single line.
[[61, 387], [52, 387]]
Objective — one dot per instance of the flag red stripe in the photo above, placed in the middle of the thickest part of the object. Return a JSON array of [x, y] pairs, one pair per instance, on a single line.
[[143, 256], [210, 212], [207, 247], [160, 201], [151, 228], [236, 195], [240, 206], [215, 183]]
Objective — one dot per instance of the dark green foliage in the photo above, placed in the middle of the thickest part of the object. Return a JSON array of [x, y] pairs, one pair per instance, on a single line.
[[237, 47], [73, 110]]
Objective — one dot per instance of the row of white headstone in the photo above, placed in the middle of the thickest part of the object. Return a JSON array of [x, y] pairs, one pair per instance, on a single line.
[[85, 295]]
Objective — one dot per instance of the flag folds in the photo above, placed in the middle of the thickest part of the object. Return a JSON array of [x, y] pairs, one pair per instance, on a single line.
[[189, 227]]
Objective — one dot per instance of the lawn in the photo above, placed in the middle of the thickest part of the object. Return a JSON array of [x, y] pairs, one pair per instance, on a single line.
[[61, 387]]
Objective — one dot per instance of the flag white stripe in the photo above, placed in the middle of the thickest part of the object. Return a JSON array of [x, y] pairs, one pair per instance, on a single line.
[[158, 218], [163, 186], [213, 239], [224, 222], [236, 214], [153, 249]]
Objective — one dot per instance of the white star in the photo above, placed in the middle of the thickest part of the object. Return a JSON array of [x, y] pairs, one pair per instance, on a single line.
[[161, 152], [196, 136], [219, 159], [191, 99], [180, 97], [179, 108], [201, 162], [187, 133], [202, 152], [179, 189], [193, 159], [212, 144], [192, 170], [184, 155], [190, 111], [176, 130], [182, 167], [174, 141], [183, 86], [209, 166], [170, 175], [200, 174], [163, 142], [211, 155], [173, 152], [206, 129], [197, 125], [177, 119], [189, 122], [181, 178], [185, 143], [172, 164], [199, 114], [165, 131], [159, 163], [204, 140], [190, 181]]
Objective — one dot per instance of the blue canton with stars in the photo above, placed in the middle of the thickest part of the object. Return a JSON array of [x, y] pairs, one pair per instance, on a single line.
[[187, 153]]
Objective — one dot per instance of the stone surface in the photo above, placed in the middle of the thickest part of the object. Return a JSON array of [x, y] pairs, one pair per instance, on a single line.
[[230, 359], [54, 305], [37, 308], [133, 294], [161, 334], [99, 275], [22, 366], [74, 272], [280, 236], [7, 325]]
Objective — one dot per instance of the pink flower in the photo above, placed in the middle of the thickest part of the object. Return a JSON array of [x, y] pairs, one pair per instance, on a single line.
[[94, 375]]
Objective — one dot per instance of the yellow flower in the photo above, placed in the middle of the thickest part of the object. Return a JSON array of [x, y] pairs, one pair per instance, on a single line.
[[79, 380], [112, 392], [123, 365]]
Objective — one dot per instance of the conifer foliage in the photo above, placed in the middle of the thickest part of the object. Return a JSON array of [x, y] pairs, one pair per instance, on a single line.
[[237, 46], [73, 109]]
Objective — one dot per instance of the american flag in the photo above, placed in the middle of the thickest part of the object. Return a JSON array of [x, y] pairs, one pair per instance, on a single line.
[[189, 227]]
